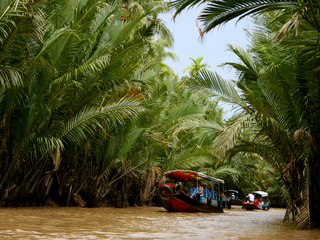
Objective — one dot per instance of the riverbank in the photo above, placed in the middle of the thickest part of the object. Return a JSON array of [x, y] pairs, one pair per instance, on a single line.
[[145, 223]]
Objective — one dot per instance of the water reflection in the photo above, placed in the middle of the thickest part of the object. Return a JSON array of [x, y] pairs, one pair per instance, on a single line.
[[144, 223]]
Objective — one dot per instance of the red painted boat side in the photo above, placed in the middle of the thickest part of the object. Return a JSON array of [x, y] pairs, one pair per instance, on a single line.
[[176, 205], [182, 203]]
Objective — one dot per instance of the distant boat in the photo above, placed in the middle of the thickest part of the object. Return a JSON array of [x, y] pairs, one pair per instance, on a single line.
[[233, 196], [190, 191], [261, 201]]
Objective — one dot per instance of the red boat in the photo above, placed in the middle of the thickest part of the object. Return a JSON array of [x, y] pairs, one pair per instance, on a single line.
[[190, 191], [260, 201]]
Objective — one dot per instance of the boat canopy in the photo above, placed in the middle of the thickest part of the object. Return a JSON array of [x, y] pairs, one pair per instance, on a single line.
[[232, 191], [185, 175], [263, 194]]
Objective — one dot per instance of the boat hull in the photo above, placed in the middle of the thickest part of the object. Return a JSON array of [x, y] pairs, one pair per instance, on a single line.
[[252, 206], [182, 203]]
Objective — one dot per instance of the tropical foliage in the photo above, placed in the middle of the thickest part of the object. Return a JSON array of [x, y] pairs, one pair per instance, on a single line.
[[72, 77], [89, 114], [279, 83]]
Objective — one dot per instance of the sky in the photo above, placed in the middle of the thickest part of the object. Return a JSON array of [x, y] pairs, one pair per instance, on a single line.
[[213, 48]]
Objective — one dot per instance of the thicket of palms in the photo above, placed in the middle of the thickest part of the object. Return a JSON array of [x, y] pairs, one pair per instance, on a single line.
[[70, 82], [279, 82], [89, 115]]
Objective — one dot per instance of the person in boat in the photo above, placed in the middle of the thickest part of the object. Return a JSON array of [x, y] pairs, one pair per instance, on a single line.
[[233, 196], [225, 201], [250, 197], [198, 192]]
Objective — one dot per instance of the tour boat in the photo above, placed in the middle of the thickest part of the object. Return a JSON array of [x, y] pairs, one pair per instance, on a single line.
[[261, 201], [191, 191], [233, 196]]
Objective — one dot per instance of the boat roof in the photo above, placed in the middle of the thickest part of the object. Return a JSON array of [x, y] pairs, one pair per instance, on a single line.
[[235, 191], [185, 175], [263, 194]]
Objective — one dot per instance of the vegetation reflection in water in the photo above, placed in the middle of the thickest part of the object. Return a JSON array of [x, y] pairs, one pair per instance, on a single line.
[[145, 223]]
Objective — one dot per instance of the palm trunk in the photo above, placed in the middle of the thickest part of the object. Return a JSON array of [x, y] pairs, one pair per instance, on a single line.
[[315, 190], [297, 181], [303, 220]]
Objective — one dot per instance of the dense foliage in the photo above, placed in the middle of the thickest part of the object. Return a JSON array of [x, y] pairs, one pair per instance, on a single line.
[[89, 114], [279, 83], [74, 76]]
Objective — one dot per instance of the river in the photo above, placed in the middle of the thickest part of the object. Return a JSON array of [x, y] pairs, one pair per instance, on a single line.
[[145, 223]]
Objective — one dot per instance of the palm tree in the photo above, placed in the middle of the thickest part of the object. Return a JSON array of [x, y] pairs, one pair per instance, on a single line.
[[279, 120], [196, 66], [71, 93], [216, 13], [271, 123]]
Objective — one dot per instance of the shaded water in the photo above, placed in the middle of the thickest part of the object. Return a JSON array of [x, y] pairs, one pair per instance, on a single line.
[[145, 223]]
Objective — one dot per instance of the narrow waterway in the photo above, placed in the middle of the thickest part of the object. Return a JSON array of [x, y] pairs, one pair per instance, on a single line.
[[145, 223]]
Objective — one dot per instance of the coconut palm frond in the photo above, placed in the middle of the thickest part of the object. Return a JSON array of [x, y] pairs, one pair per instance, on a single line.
[[228, 137], [247, 68], [10, 11], [9, 77], [47, 145], [164, 32], [265, 151], [102, 17], [91, 67], [187, 161], [227, 173], [180, 5], [83, 124], [89, 119], [224, 89], [184, 111], [285, 112], [56, 35], [197, 123], [216, 13], [125, 108], [130, 141]]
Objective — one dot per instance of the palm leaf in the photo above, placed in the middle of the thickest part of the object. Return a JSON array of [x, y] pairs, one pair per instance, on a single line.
[[220, 12], [187, 160], [47, 145], [228, 138], [194, 123], [9, 10], [224, 172], [10, 77], [181, 5], [224, 89], [130, 141], [54, 37], [89, 119]]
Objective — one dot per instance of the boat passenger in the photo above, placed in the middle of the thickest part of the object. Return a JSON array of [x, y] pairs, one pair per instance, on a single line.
[[233, 196], [250, 197], [198, 192]]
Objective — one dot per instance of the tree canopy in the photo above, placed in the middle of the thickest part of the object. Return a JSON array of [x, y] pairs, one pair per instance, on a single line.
[[279, 83]]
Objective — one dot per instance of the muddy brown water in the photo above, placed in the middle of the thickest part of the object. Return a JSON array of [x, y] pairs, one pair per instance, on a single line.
[[145, 223]]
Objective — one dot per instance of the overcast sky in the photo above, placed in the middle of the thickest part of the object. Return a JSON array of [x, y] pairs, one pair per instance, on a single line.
[[213, 48]]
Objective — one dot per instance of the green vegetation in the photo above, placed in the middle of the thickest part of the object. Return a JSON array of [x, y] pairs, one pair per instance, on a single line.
[[90, 116], [279, 83]]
